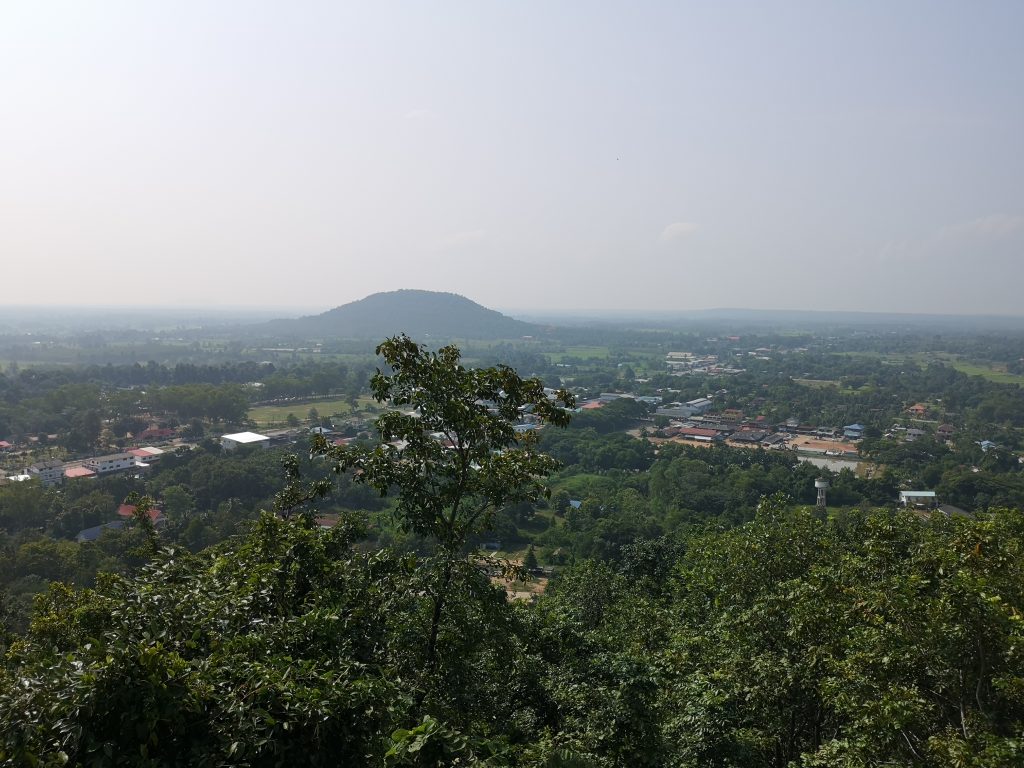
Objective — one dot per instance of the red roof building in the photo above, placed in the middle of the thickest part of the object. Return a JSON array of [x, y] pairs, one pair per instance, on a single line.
[[697, 433], [77, 473], [128, 511]]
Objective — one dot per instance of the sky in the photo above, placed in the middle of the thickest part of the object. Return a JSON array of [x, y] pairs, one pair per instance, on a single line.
[[541, 156]]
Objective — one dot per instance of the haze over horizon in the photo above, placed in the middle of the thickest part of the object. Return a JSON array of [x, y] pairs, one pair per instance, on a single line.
[[656, 156]]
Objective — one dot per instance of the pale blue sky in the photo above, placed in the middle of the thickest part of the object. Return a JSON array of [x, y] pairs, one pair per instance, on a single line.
[[533, 155]]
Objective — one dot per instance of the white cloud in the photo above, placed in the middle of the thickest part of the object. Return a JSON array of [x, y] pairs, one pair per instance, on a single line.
[[996, 225], [676, 230]]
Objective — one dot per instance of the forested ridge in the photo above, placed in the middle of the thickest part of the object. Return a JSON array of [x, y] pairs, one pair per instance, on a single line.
[[790, 640]]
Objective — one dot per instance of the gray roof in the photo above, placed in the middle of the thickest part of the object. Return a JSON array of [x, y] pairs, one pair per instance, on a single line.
[[91, 534]]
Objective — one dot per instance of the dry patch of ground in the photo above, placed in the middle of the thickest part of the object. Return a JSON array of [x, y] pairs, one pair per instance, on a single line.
[[820, 444]]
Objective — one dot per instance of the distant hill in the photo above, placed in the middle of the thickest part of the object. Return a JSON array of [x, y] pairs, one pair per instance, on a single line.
[[419, 314]]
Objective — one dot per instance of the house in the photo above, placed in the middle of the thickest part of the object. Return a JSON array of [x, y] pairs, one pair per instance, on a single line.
[[91, 534], [952, 511], [944, 432], [918, 409], [918, 498], [127, 512], [231, 442], [48, 472], [987, 445], [5, 446], [749, 436], [723, 428], [913, 434], [853, 431], [114, 462], [147, 454], [674, 411], [696, 433]]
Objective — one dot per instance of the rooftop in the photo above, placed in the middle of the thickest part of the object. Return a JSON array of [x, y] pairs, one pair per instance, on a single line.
[[245, 437], [75, 472]]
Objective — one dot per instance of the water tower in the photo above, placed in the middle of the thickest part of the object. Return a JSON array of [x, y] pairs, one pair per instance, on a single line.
[[821, 485]]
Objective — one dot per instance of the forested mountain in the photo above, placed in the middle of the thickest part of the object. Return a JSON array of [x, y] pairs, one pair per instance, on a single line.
[[423, 314]]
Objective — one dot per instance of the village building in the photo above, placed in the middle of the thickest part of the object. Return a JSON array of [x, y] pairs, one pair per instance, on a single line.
[[114, 462], [925, 499], [48, 472], [78, 473], [127, 512], [91, 534], [231, 442]]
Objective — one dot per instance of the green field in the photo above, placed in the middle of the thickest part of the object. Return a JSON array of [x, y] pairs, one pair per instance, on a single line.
[[990, 372], [974, 369], [579, 353], [269, 415]]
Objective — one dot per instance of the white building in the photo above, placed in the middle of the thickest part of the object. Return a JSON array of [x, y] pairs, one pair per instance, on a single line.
[[115, 462], [918, 498], [700, 405], [230, 442], [49, 472]]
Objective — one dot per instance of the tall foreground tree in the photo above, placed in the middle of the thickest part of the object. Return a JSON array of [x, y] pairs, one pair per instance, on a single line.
[[450, 450]]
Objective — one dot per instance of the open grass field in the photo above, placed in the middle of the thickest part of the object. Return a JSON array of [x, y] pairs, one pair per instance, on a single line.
[[992, 372], [268, 415], [987, 372]]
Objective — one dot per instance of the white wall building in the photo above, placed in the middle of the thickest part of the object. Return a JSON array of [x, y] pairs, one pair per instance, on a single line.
[[230, 442], [115, 462]]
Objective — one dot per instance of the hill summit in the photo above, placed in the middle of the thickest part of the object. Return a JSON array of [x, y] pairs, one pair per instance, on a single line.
[[419, 314]]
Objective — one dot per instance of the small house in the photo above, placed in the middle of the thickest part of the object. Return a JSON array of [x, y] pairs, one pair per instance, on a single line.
[[853, 431]]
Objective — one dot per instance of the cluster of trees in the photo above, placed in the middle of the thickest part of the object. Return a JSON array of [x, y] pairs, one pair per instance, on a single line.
[[788, 641], [700, 624], [206, 496], [77, 403]]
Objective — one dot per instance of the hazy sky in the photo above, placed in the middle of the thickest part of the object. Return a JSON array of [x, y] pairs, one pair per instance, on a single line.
[[534, 155]]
